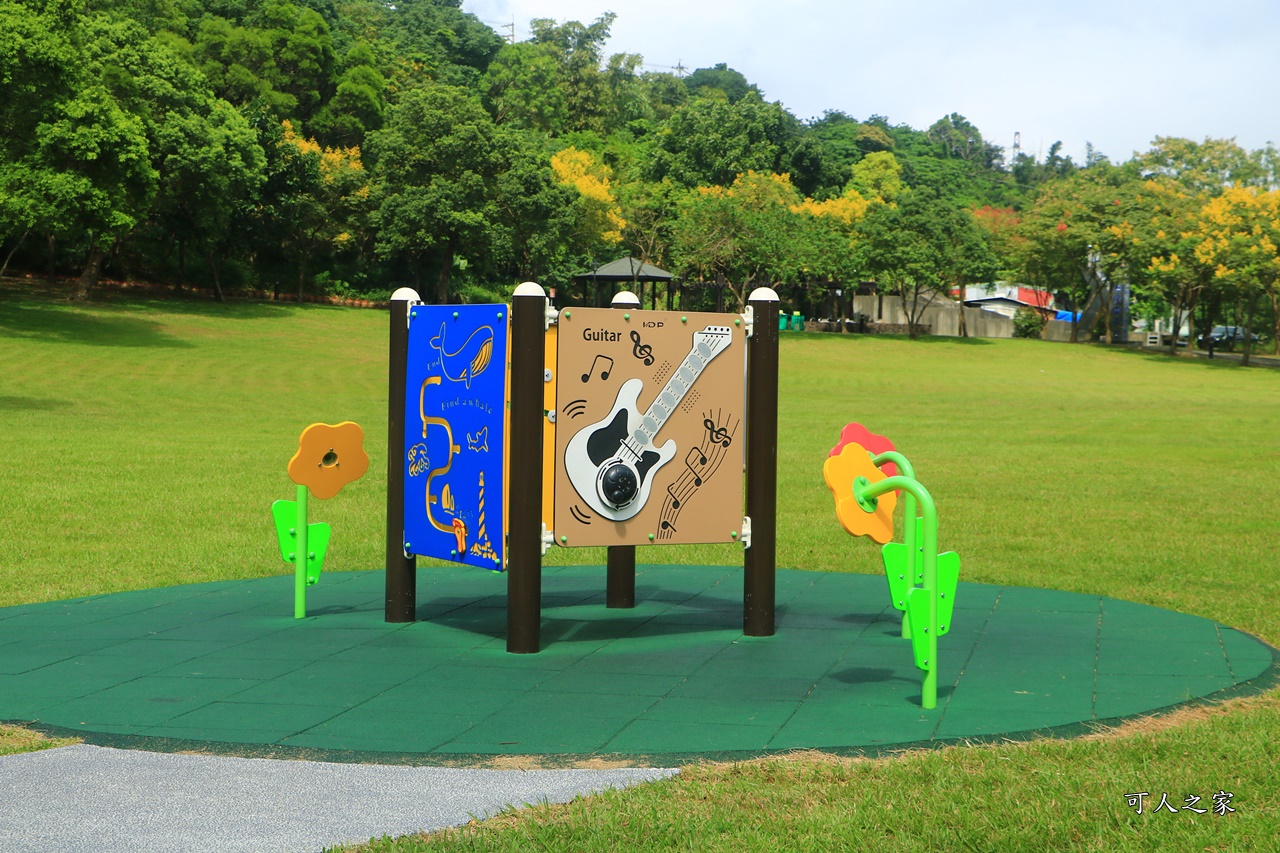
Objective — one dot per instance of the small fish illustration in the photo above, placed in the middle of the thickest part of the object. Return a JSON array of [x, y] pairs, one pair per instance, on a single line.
[[479, 442], [467, 361]]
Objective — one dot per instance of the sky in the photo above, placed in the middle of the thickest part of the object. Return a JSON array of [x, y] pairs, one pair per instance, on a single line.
[[1115, 74]]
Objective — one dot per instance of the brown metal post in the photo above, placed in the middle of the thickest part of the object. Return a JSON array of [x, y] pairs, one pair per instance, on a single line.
[[620, 586], [401, 578], [760, 561], [524, 493]]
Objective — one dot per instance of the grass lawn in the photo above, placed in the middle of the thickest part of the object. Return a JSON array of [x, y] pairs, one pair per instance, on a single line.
[[145, 439]]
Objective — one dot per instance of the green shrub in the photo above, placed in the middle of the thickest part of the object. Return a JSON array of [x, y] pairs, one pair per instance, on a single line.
[[1027, 323]]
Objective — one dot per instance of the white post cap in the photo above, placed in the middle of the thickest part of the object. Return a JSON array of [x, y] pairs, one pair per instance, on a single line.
[[625, 297], [405, 294], [763, 294], [529, 288]]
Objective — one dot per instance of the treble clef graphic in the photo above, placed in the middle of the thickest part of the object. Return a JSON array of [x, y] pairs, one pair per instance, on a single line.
[[641, 351], [718, 435]]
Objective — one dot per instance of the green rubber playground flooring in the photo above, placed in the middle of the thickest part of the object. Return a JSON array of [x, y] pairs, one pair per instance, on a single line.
[[223, 666]]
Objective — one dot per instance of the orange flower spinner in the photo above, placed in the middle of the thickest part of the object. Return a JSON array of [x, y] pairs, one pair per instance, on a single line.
[[840, 471], [329, 457]]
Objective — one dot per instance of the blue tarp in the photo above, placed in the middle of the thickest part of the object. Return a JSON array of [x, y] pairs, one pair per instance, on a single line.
[[1066, 315]]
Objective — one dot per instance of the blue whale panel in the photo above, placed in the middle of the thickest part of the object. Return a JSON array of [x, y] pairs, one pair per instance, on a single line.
[[455, 416]]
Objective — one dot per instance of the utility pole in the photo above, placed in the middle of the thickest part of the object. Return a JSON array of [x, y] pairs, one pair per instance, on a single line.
[[511, 30]]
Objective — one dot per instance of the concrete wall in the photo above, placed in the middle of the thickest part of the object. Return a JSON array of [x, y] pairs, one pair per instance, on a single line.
[[1060, 330], [942, 316]]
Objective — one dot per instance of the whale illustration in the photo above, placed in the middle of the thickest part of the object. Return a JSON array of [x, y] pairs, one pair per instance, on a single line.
[[467, 361]]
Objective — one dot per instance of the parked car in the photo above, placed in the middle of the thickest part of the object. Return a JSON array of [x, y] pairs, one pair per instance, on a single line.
[[1225, 337]]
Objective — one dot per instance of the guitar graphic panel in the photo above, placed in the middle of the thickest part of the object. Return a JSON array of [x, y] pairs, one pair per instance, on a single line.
[[611, 463]]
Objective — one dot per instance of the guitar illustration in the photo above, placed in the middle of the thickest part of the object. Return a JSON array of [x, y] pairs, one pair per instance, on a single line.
[[611, 463]]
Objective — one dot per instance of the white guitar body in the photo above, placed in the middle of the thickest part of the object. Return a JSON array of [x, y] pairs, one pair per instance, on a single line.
[[616, 458], [612, 462]]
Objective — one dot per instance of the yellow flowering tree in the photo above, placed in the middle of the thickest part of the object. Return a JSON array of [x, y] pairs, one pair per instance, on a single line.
[[328, 189], [759, 231], [1162, 243], [1238, 236], [600, 218]]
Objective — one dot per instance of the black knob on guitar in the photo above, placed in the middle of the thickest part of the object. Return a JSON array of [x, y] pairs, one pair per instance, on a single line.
[[618, 485]]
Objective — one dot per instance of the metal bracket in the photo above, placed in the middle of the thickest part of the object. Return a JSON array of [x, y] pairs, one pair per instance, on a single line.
[[550, 316], [547, 539], [408, 314], [745, 537], [749, 320]]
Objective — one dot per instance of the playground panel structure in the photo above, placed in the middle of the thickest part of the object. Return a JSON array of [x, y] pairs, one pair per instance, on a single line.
[[455, 433], [650, 419], [648, 433]]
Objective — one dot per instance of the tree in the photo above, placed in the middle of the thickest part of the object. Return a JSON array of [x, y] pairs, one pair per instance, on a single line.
[[357, 104], [600, 218], [316, 196], [877, 176], [1239, 237], [650, 210], [209, 181], [578, 51], [711, 141], [77, 160], [665, 92], [38, 67], [521, 88], [435, 165], [1210, 166], [1001, 226], [1163, 242], [723, 79], [744, 235], [957, 138], [921, 248], [434, 39], [1079, 237], [537, 216]]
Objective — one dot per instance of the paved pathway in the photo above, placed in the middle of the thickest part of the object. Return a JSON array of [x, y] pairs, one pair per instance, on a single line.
[[100, 800]]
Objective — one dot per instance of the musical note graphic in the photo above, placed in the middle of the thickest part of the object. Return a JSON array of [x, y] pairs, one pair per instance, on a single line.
[[604, 374], [718, 434], [694, 462], [642, 351], [700, 464]]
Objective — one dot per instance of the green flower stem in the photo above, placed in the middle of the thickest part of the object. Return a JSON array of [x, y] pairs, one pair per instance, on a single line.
[[300, 558], [897, 459], [929, 512], [909, 522]]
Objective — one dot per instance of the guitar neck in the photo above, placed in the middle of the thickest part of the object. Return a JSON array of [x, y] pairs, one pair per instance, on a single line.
[[707, 344]]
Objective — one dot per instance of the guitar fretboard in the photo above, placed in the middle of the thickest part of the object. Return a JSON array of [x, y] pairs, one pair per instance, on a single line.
[[707, 344]]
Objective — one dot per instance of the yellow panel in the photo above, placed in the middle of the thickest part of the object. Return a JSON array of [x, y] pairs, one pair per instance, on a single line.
[[549, 430]]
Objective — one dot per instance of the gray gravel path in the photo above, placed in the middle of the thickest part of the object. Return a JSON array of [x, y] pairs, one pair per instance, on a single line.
[[91, 798]]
